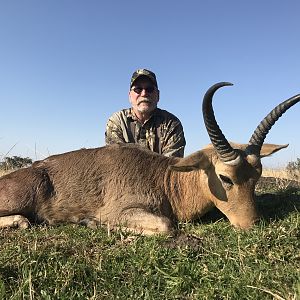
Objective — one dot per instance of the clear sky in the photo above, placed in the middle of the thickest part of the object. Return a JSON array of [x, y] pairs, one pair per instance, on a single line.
[[65, 67]]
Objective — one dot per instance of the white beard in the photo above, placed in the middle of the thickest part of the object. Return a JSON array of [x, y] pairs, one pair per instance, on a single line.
[[145, 107]]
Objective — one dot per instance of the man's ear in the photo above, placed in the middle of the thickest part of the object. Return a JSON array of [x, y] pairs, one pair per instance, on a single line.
[[269, 149], [195, 161]]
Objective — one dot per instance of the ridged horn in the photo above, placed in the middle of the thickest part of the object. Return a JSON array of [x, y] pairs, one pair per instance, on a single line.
[[257, 139], [225, 152]]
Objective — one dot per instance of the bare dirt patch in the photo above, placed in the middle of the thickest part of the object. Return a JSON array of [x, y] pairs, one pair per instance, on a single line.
[[183, 240]]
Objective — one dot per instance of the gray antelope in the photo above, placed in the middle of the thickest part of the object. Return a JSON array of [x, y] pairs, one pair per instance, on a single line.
[[125, 185]]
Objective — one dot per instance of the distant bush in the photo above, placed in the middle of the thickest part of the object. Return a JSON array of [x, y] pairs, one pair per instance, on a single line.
[[293, 169], [15, 162]]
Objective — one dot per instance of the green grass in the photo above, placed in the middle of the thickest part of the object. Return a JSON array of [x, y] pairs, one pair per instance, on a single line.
[[206, 260]]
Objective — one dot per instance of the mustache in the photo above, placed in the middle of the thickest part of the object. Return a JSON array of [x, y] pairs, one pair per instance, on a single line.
[[145, 100]]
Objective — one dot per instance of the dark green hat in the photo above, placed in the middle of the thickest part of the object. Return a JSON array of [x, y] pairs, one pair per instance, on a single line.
[[143, 72]]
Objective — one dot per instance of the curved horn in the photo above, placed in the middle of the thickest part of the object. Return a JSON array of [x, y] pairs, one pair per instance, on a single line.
[[261, 131], [226, 153]]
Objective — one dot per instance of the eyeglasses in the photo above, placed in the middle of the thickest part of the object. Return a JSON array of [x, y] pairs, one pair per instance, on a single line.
[[148, 90]]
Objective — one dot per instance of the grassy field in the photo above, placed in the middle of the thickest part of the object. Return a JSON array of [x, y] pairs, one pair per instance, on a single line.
[[207, 259]]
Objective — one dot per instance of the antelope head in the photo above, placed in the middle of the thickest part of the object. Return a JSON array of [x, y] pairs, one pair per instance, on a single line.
[[231, 170]]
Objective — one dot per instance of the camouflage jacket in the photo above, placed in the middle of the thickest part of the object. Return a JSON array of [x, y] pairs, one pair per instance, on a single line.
[[162, 133]]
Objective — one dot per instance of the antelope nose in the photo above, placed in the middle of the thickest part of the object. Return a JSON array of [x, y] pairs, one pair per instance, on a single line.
[[246, 224]]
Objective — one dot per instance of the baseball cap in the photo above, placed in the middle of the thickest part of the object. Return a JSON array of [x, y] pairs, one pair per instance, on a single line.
[[143, 72]]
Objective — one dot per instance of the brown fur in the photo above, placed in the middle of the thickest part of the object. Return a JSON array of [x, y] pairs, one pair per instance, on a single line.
[[123, 184]]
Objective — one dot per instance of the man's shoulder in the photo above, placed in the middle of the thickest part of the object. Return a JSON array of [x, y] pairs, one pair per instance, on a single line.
[[121, 114]]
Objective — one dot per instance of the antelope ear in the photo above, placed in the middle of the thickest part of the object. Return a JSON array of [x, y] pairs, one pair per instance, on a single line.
[[269, 149], [195, 161]]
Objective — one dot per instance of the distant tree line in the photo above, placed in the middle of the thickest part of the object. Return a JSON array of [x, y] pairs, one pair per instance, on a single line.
[[15, 162]]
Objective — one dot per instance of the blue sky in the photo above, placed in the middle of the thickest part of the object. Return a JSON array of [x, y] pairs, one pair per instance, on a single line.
[[65, 68]]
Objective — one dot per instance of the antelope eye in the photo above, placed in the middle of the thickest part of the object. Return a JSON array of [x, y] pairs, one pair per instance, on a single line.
[[226, 180]]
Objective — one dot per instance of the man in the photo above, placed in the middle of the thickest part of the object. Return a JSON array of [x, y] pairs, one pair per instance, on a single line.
[[144, 123]]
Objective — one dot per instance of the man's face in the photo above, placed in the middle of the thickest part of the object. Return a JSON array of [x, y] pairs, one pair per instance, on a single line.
[[143, 95]]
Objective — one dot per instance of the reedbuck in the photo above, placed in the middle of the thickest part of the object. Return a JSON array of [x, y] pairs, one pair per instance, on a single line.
[[126, 185]]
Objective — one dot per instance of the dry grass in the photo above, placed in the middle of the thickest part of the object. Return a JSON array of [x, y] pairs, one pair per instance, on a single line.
[[281, 174], [278, 180], [278, 173]]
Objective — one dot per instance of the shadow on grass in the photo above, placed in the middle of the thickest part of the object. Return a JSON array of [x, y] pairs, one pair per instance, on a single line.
[[278, 206], [277, 198], [9, 274]]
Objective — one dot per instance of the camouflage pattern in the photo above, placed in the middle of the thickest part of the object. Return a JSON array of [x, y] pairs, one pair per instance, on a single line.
[[143, 72], [162, 133]]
